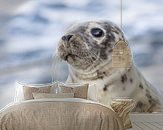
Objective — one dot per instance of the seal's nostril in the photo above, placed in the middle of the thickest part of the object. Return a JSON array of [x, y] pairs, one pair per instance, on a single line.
[[64, 38], [67, 37]]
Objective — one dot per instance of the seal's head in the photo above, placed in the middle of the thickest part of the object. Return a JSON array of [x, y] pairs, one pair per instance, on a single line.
[[90, 43]]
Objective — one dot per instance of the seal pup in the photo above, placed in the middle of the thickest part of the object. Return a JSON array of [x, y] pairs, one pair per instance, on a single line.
[[88, 47]]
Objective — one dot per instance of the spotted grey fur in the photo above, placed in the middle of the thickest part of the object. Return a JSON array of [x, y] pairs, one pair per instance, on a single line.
[[89, 60]]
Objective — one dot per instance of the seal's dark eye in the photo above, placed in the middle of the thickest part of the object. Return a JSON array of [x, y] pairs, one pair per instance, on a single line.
[[97, 32]]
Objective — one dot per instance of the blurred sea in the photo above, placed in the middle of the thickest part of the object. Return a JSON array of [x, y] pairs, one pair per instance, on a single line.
[[30, 31]]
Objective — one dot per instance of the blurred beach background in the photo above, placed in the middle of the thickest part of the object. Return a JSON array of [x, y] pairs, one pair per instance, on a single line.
[[30, 31]]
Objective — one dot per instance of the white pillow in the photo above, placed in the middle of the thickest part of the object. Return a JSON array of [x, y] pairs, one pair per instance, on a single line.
[[19, 95], [92, 92], [51, 95], [71, 84]]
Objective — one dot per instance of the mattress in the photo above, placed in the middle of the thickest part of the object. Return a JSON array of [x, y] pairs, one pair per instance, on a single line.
[[59, 114]]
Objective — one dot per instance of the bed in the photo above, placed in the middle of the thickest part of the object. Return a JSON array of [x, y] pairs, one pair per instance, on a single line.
[[59, 114]]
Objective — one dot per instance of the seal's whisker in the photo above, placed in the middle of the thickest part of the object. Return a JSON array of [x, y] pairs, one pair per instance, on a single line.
[[97, 56]]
